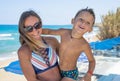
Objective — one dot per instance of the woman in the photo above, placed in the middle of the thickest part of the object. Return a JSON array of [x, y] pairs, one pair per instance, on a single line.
[[37, 54]]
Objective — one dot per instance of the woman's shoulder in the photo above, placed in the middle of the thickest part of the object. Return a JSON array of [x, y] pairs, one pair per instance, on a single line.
[[24, 50], [23, 47], [52, 41]]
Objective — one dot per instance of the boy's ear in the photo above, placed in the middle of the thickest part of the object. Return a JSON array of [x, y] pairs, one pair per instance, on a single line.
[[90, 30], [72, 21]]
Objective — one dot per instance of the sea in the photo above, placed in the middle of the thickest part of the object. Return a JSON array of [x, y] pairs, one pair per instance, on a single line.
[[9, 38]]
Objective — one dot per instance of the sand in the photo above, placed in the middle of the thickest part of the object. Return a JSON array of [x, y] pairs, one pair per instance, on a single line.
[[8, 76], [104, 66]]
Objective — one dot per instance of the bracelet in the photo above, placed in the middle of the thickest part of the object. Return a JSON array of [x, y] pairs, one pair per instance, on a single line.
[[90, 72]]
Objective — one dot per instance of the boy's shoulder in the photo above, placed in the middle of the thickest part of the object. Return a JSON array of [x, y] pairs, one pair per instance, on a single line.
[[83, 41]]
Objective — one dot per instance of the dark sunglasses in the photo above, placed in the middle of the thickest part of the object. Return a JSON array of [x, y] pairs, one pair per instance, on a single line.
[[36, 26]]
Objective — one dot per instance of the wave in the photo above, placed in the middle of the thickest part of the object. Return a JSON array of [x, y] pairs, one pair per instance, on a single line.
[[6, 37]]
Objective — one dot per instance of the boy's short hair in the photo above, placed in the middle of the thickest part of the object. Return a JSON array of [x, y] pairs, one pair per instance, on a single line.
[[90, 10]]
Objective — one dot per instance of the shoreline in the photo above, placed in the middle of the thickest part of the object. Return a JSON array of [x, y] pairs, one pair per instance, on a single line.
[[6, 62]]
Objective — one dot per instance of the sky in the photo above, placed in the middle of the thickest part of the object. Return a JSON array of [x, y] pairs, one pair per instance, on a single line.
[[54, 12]]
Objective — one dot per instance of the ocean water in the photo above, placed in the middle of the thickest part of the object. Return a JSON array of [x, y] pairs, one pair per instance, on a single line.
[[9, 38]]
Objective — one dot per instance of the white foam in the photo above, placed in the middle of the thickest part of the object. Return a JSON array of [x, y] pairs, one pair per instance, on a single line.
[[6, 38], [4, 35]]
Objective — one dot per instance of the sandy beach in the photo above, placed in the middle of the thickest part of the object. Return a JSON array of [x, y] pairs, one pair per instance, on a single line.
[[8, 76], [104, 66]]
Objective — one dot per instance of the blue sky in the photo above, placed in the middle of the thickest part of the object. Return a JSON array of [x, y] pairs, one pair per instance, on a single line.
[[53, 11]]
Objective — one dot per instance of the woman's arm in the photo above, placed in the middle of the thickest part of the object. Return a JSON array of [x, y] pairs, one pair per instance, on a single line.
[[24, 55]]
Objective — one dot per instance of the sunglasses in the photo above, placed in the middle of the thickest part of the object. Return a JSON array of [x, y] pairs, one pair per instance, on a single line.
[[36, 26]]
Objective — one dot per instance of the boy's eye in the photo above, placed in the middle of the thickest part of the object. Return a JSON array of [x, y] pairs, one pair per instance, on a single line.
[[87, 23], [81, 20]]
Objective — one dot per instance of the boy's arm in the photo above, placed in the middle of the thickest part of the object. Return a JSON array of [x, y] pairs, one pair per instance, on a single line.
[[46, 31], [92, 63], [53, 32]]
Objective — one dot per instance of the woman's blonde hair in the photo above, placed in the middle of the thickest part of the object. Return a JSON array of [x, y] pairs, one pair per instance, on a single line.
[[24, 37]]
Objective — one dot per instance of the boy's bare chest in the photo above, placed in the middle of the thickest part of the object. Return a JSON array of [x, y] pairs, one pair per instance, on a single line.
[[71, 46]]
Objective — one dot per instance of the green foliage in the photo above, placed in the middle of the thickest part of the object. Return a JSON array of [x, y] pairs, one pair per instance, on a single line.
[[110, 25]]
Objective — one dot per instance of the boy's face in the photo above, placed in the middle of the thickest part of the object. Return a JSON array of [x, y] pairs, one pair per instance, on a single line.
[[82, 23]]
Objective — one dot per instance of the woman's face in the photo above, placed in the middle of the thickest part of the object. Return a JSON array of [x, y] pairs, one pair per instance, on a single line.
[[33, 27]]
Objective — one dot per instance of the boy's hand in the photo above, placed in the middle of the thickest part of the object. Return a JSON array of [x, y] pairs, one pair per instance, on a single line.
[[87, 77]]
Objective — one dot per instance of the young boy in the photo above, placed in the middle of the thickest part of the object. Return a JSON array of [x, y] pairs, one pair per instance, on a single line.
[[73, 44]]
